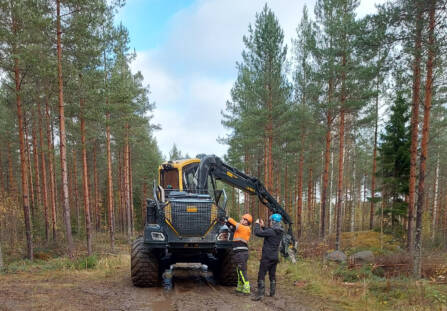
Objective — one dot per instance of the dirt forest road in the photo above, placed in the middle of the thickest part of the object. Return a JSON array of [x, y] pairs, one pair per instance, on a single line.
[[113, 290]]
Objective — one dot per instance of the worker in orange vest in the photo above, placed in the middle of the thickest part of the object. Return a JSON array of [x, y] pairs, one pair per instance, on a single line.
[[241, 237]]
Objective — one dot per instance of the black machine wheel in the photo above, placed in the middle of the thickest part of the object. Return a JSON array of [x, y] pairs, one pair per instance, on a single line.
[[227, 274], [144, 265]]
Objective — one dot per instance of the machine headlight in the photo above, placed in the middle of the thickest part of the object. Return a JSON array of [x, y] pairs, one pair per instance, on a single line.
[[224, 233], [157, 236], [223, 236]]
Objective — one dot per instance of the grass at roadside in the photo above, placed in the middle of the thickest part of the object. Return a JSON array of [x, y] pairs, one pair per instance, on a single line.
[[50, 260], [365, 291], [340, 287]]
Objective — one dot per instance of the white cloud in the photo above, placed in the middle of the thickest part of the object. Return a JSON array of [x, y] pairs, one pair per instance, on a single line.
[[188, 109], [194, 123], [191, 72], [164, 86], [207, 36]]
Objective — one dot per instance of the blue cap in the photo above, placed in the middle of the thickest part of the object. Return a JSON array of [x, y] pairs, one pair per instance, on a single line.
[[276, 217]]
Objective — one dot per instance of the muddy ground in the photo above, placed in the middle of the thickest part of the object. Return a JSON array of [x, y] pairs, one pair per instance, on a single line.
[[84, 290]]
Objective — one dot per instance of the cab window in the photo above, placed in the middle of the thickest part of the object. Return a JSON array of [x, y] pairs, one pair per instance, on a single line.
[[189, 182], [169, 179]]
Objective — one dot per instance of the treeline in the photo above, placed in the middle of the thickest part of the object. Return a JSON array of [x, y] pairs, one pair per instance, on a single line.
[[77, 152], [347, 128]]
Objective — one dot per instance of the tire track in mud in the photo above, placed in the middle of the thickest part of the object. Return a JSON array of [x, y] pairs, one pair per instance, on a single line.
[[78, 291], [200, 294]]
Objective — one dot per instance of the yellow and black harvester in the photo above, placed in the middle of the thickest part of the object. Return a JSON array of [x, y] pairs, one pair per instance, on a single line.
[[186, 220]]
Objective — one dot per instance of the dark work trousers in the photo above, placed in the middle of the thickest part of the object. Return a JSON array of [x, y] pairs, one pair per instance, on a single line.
[[267, 265], [240, 257]]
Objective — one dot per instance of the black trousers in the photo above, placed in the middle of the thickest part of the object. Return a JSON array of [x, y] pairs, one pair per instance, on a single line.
[[241, 257], [267, 265]]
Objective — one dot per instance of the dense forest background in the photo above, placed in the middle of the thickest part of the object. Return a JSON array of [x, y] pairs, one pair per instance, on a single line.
[[346, 126]]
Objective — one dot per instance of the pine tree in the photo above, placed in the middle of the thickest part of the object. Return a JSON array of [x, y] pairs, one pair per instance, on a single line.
[[260, 94], [431, 47], [175, 153], [394, 158], [16, 37]]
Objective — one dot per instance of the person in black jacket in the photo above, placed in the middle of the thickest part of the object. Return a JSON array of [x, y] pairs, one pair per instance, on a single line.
[[272, 238]]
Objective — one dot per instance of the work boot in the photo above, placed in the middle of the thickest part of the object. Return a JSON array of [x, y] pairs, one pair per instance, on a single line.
[[272, 288], [240, 285], [261, 291], [246, 288]]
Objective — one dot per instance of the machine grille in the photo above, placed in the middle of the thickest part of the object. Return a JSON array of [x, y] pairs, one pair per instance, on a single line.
[[191, 218]]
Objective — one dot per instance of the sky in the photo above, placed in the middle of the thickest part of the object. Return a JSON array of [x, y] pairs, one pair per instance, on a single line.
[[187, 52]]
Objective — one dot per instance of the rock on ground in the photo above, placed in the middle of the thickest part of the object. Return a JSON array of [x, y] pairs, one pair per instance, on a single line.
[[337, 256], [363, 257]]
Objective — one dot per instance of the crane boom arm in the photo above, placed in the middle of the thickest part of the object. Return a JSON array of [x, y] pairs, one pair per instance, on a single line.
[[215, 167]]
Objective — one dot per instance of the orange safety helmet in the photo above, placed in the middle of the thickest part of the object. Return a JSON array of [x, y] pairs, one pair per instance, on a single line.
[[248, 218]]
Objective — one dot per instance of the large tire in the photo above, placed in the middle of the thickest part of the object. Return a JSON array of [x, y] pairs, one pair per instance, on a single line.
[[144, 265], [227, 269]]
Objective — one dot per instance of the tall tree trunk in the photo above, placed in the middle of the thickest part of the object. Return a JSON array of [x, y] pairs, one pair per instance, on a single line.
[[76, 195], [353, 195], [331, 206], [51, 167], [246, 195], [327, 152], [414, 123], [30, 169], [121, 211], [309, 197], [374, 165], [270, 141], [435, 199], [126, 183], [36, 165], [85, 183], [266, 168], [143, 203], [96, 190], [62, 138], [300, 190], [24, 169], [287, 206], [340, 157], [44, 173], [12, 187], [111, 211], [129, 168], [277, 184], [424, 144]]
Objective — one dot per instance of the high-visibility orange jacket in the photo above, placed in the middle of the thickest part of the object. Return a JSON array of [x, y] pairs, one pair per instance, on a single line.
[[242, 232]]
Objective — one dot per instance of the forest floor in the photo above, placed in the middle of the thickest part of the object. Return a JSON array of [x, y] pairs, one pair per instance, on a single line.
[[103, 282], [108, 286]]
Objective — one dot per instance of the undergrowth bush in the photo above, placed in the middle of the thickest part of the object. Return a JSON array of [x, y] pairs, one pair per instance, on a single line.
[[60, 263], [82, 263], [346, 274]]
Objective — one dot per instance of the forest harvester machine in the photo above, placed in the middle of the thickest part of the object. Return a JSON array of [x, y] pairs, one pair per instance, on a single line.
[[186, 220]]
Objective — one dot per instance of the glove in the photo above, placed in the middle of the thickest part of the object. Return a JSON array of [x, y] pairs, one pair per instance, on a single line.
[[224, 219]]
